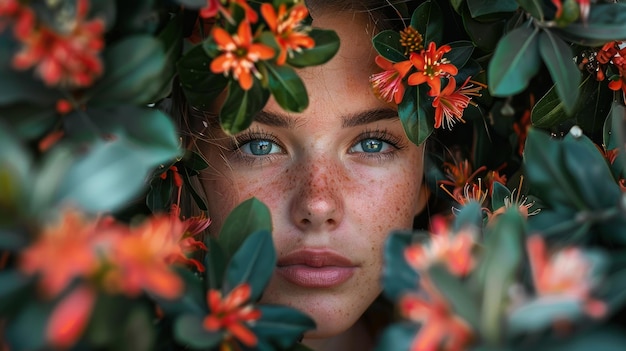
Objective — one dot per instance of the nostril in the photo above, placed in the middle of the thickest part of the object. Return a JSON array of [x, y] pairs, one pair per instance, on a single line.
[[306, 221]]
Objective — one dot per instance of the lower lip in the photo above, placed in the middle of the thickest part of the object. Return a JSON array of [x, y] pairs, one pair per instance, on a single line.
[[316, 277]]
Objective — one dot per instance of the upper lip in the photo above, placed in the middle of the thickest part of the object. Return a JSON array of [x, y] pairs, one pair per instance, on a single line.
[[315, 258]]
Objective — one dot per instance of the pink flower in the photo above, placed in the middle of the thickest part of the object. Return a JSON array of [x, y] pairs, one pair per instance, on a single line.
[[450, 103], [388, 84]]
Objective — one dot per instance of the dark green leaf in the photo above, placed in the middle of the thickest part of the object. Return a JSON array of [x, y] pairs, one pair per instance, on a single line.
[[418, 123], [399, 336], [215, 264], [487, 7], [171, 39], [542, 313], [456, 293], [287, 88], [500, 192], [191, 188], [428, 20], [398, 277], [249, 217], [461, 52], [29, 121], [192, 301], [326, 46], [159, 196], [15, 174], [252, 264], [281, 325], [201, 86], [189, 330], [605, 23], [557, 55], [387, 44], [241, 106], [13, 288], [132, 76], [534, 7], [137, 332], [515, 61], [27, 330]]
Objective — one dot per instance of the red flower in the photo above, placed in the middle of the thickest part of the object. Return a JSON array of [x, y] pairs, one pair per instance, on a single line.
[[450, 103], [566, 274], [431, 67], [64, 251], [239, 54], [584, 6], [287, 28], [388, 84], [442, 329], [69, 318], [232, 314], [453, 249], [68, 59]]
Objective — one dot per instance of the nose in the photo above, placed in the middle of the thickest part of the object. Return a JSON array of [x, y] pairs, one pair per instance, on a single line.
[[318, 203]]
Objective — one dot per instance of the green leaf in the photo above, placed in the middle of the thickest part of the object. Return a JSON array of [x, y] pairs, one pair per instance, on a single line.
[[281, 325], [487, 7], [159, 196], [500, 193], [398, 276], [192, 301], [14, 287], [26, 330], [189, 330], [461, 52], [549, 110], [457, 294], [248, 217], [470, 214], [15, 173], [534, 7], [326, 46], [418, 123], [399, 336], [29, 121], [191, 188], [387, 44], [287, 88], [201, 86], [136, 72], [557, 55], [171, 39], [428, 20], [541, 313], [502, 257], [515, 61], [485, 35], [215, 264], [605, 23], [241, 106], [253, 264]]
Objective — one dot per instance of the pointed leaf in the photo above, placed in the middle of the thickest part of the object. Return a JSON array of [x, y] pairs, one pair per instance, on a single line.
[[326, 46], [281, 325], [398, 277], [605, 23], [253, 264], [500, 192], [387, 44], [428, 20], [287, 88], [417, 122], [461, 52], [534, 7], [470, 214], [215, 264], [241, 106], [248, 217], [515, 61], [487, 7], [201, 86], [188, 330], [457, 294], [557, 55]]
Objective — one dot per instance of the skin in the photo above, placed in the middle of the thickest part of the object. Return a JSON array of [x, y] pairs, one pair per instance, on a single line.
[[323, 191]]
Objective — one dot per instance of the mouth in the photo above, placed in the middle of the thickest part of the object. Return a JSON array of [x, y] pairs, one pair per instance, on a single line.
[[315, 268]]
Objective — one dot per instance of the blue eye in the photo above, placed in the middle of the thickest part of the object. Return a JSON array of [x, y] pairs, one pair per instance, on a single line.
[[370, 146], [260, 147]]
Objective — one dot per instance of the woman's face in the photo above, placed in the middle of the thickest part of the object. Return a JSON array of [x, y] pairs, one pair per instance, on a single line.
[[337, 179]]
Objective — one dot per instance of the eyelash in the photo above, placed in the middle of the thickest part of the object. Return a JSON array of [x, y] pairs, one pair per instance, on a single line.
[[251, 135]]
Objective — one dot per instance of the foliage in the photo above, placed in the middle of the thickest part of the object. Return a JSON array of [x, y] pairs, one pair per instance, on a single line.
[[94, 252]]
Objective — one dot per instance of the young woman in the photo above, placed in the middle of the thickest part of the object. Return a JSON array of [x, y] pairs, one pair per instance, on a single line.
[[338, 178]]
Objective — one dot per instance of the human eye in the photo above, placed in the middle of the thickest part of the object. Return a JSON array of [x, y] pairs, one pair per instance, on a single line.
[[256, 146], [378, 143], [260, 147]]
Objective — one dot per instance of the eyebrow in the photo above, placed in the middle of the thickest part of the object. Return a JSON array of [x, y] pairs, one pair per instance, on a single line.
[[348, 121]]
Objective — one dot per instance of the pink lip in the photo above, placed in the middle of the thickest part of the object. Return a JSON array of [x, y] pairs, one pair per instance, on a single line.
[[315, 268]]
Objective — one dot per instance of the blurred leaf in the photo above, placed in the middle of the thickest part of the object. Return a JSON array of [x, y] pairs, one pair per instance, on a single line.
[[136, 17], [189, 330], [398, 336], [194, 161], [485, 35], [136, 72], [605, 23], [15, 176], [26, 330], [604, 338], [11, 239], [549, 110], [326, 46], [192, 301], [248, 217], [215, 264], [287, 88], [253, 263], [503, 250], [138, 333], [470, 214], [557, 55], [201, 86], [241, 106], [281, 325], [515, 61], [160, 194], [28, 121], [14, 287], [428, 20], [500, 192], [387, 44], [486, 7], [171, 39], [534, 7], [541, 313], [417, 122], [197, 198], [398, 276], [457, 294]]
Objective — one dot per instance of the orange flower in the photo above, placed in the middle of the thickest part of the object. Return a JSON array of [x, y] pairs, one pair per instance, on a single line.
[[441, 328], [239, 54], [459, 174], [69, 318], [141, 258], [450, 103], [287, 28], [64, 251], [388, 84], [453, 249], [431, 67], [67, 59], [566, 273], [232, 313]]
